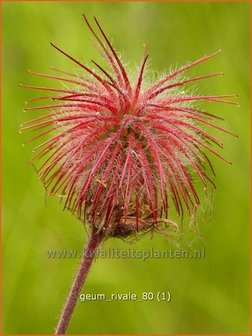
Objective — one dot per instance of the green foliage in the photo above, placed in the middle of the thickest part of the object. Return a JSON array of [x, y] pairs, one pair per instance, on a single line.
[[209, 295]]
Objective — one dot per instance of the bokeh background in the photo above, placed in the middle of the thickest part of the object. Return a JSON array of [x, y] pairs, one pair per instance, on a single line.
[[209, 295]]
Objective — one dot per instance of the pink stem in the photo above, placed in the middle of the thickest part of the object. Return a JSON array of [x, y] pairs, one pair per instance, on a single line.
[[86, 262]]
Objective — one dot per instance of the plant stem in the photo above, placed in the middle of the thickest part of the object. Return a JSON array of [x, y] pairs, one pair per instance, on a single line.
[[86, 262]]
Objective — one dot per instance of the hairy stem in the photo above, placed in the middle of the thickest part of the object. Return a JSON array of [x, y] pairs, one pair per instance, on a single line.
[[86, 262]]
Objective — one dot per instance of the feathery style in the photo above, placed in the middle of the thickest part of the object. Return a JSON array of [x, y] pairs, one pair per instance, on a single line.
[[118, 154]]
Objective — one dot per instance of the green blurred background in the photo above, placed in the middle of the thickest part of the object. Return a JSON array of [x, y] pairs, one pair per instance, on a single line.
[[209, 295]]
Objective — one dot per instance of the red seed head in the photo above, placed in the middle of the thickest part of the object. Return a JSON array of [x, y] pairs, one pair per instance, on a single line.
[[119, 155]]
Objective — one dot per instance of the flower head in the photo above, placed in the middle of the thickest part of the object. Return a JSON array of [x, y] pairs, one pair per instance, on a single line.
[[120, 155]]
